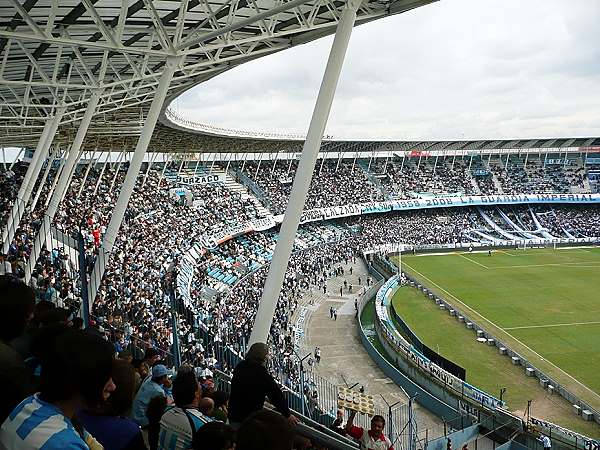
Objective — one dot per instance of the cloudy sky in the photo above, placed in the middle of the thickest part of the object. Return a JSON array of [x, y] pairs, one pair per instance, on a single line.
[[472, 68]]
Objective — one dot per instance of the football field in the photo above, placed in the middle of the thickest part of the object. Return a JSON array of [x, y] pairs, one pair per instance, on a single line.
[[543, 303]]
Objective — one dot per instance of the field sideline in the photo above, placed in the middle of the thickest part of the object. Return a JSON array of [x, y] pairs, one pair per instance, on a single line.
[[543, 303]]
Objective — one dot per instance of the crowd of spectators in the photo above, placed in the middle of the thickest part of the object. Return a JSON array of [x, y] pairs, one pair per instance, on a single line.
[[577, 221], [71, 388], [413, 179], [332, 184], [335, 183], [537, 178], [137, 300]]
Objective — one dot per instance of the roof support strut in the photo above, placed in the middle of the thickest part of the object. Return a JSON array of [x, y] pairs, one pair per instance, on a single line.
[[310, 152], [134, 167]]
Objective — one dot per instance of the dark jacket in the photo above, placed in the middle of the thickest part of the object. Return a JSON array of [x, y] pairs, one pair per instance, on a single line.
[[250, 384]]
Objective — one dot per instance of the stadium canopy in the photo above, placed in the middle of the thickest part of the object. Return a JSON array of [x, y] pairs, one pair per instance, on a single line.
[[56, 53]]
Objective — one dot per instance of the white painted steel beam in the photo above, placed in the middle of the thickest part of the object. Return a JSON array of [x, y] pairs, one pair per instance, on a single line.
[[63, 183], [116, 219], [291, 220]]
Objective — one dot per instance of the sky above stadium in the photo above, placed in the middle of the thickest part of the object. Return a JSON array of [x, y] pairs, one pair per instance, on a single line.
[[457, 68]]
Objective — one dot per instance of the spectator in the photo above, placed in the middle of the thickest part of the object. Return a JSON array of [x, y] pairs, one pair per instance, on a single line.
[[372, 439], [265, 430], [214, 436], [338, 422], [179, 423], [154, 412], [221, 399], [76, 373], [108, 422], [250, 384], [150, 388], [206, 406], [16, 308]]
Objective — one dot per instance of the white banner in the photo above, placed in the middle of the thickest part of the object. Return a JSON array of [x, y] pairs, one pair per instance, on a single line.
[[400, 345], [336, 212], [212, 178], [212, 240], [550, 428]]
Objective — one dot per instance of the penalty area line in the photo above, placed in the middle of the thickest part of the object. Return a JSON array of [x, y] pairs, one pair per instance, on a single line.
[[472, 260]]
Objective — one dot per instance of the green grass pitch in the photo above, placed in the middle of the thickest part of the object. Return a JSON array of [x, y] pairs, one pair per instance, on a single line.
[[543, 303]]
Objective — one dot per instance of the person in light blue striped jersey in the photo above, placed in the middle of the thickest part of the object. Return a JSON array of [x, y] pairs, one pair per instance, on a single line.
[[76, 373], [179, 423]]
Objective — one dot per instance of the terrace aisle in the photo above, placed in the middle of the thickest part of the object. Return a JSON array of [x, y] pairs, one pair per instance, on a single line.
[[343, 357]]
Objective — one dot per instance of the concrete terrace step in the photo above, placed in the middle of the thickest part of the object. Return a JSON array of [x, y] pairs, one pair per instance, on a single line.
[[234, 186]]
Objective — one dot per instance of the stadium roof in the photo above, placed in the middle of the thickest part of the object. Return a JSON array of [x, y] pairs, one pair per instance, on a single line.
[[57, 52]]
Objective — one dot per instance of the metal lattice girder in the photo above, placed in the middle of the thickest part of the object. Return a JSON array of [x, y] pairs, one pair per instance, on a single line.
[[55, 52]]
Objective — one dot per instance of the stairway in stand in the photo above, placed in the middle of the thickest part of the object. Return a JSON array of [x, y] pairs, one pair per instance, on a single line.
[[234, 186]]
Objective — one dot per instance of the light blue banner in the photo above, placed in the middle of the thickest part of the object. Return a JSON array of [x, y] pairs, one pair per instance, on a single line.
[[336, 212]]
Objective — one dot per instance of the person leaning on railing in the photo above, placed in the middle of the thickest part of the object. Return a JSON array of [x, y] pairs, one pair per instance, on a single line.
[[250, 384]]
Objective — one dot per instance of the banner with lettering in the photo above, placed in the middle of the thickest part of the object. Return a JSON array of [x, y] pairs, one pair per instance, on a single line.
[[212, 240], [401, 346], [550, 428], [336, 212], [212, 178]]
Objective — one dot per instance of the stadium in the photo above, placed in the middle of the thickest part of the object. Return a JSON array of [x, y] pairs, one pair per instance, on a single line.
[[445, 290]]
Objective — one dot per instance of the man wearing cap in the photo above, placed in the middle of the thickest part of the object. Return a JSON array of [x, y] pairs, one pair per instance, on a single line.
[[150, 388]]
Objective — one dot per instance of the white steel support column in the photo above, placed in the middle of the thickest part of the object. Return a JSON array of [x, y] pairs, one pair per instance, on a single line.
[[17, 158], [101, 174], [338, 161], [59, 171], [33, 171], [258, 166], [119, 162], [162, 174], [150, 162], [274, 164], [322, 162], [134, 168], [73, 170], [308, 159], [91, 164], [290, 166], [64, 179], [53, 155], [228, 162]]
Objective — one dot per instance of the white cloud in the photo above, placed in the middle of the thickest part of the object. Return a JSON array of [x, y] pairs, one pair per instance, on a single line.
[[478, 68]]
